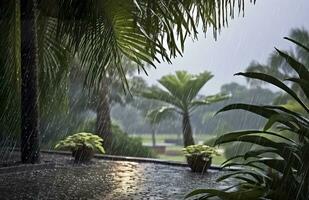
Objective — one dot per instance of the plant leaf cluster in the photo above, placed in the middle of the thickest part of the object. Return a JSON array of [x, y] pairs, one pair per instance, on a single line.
[[201, 150], [80, 141], [280, 168]]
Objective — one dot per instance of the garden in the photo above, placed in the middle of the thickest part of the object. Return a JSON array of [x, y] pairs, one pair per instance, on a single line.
[[82, 116]]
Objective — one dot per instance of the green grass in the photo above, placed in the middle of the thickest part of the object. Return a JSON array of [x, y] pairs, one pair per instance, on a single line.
[[176, 149], [147, 139], [217, 160]]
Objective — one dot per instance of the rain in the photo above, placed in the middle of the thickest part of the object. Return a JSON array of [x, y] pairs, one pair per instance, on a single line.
[[136, 99]]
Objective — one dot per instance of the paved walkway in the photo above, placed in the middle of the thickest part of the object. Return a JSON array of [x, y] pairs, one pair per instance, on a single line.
[[104, 180]]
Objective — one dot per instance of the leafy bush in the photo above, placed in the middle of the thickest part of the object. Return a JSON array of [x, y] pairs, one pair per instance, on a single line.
[[199, 157], [81, 140], [279, 169], [126, 146], [200, 150]]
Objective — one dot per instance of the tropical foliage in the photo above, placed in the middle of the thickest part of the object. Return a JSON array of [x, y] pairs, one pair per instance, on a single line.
[[124, 145], [80, 141], [280, 168], [200, 150], [199, 157], [137, 30], [180, 93]]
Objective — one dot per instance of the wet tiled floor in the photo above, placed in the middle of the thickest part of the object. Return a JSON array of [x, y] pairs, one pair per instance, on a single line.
[[105, 180]]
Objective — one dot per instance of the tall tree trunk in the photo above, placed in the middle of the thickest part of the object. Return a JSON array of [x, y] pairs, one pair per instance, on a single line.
[[30, 145], [103, 115], [187, 130]]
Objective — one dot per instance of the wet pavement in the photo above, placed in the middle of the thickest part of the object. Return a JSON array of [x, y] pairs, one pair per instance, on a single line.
[[104, 180]]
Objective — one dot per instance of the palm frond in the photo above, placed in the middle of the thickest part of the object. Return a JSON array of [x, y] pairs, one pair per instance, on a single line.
[[208, 100], [157, 115], [158, 94], [140, 30]]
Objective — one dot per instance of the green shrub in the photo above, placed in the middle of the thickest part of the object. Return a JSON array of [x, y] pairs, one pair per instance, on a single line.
[[200, 150], [81, 140], [83, 146], [124, 145]]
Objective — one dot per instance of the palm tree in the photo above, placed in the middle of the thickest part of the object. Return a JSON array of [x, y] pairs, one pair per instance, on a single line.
[[104, 122], [136, 30], [154, 117], [28, 55], [181, 94], [29, 84]]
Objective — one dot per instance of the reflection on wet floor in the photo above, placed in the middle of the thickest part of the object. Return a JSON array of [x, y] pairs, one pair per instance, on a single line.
[[105, 180]]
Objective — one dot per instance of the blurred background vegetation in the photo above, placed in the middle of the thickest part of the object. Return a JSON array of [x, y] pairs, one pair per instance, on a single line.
[[133, 133]]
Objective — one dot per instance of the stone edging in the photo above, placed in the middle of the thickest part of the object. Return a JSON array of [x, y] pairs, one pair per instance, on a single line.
[[99, 156], [129, 159]]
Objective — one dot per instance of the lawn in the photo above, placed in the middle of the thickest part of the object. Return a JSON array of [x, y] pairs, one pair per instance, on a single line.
[[217, 160], [174, 152], [146, 138]]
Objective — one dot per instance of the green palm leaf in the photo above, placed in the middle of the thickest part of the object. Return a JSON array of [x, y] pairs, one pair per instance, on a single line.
[[276, 82], [160, 114]]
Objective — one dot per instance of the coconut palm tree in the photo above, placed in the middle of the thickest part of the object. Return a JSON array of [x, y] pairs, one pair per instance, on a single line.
[[105, 31], [180, 93]]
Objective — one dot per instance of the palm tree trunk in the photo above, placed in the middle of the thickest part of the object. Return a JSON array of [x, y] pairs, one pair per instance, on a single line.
[[103, 115], [187, 130], [30, 146]]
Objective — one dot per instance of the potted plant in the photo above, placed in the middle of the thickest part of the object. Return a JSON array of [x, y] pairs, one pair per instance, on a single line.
[[199, 157], [83, 146]]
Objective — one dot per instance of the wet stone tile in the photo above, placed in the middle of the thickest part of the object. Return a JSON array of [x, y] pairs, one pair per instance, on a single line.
[[105, 180]]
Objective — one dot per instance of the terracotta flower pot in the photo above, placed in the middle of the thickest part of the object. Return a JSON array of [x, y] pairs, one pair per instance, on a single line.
[[199, 163], [83, 155]]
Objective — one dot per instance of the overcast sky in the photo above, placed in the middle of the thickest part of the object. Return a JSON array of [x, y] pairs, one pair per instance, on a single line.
[[250, 38]]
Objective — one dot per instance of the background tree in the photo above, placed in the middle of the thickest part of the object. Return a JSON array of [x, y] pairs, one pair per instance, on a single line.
[[181, 91], [277, 66], [156, 116]]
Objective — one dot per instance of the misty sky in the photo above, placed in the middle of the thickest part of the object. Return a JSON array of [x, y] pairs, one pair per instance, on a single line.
[[250, 38]]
